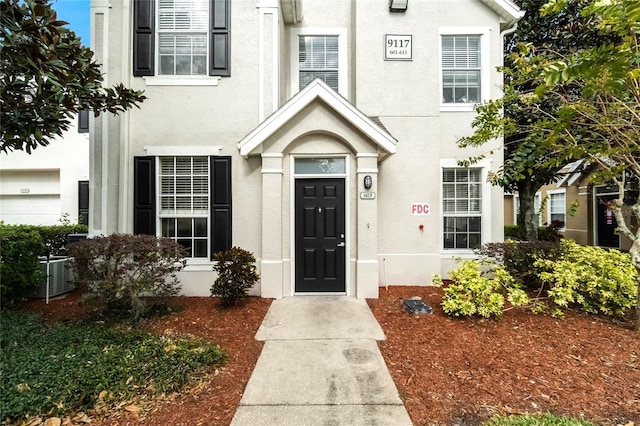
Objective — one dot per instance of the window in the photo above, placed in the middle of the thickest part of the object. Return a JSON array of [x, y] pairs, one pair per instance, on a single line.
[[318, 58], [182, 37], [462, 207], [557, 208], [188, 200], [184, 202], [321, 53], [192, 38], [461, 69]]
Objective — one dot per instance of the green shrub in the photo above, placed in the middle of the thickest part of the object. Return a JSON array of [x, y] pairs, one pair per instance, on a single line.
[[62, 369], [236, 270], [55, 237], [518, 258], [545, 233], [594, 279], [480, 289], [20, 272], [121, 267]]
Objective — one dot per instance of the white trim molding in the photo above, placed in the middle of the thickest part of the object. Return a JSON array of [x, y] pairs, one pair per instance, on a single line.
[[486, 203], [317, 90], [179, 150], [485, 65], [343, 63]]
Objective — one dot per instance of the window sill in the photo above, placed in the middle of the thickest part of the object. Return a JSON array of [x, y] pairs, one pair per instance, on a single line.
[[458, 252], [181, 81], [196, 265], [457, 107]]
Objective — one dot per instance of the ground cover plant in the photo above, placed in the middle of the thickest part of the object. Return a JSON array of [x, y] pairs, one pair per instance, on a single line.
[[60, 369], [535, 420]]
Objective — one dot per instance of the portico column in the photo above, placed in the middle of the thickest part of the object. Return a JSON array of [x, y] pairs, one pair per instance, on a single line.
[[271, 264], [367, 227]]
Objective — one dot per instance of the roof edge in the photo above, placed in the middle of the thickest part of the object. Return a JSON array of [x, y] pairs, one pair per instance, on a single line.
[[317, 89]]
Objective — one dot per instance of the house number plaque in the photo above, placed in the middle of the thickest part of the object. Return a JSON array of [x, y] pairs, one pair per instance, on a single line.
[[367, 195], [397, 47]]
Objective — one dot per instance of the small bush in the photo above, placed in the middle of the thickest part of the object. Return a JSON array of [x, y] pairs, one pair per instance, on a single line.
[[518, 258], [66, 368], [121, 267], [19, 266], [236, 275], [593, 279], [480, 289]]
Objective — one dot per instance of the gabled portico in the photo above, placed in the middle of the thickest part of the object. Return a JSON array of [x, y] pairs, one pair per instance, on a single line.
[[322, 145]]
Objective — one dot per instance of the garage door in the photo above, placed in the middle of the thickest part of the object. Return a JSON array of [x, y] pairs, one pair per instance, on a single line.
[[30, 209]]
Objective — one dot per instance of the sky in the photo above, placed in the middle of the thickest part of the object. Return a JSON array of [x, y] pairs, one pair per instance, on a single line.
[[76, 13]]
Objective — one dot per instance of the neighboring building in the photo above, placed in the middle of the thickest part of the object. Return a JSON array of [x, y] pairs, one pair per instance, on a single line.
[[321, 137], [581, 207], [51, 182]]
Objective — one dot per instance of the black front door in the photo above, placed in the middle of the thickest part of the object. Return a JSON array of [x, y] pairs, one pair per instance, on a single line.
[[319, 235]]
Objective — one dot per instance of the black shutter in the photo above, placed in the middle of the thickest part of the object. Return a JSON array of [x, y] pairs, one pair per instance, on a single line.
[[83, 121], [144, 195], [144, 37], [219, 61], [83, 202], [220, 182]]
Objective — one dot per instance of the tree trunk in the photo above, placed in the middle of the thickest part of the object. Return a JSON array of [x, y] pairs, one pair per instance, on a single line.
[[527, 218], [624, 229]]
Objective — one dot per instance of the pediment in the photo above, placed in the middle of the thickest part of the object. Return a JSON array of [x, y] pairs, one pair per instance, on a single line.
[[317, 92]]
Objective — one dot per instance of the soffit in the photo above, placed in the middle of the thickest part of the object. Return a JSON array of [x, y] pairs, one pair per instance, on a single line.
[[315, 91], [508, 11], [291, 11]]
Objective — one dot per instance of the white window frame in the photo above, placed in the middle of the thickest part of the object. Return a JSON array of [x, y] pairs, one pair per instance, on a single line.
[[191, 215], [485, 64], [537, 204], [341, 33], [548, 206], [485, 210], [204, 32]]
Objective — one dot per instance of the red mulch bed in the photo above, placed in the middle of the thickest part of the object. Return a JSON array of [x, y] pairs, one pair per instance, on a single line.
[[461, 371], [448, 371]]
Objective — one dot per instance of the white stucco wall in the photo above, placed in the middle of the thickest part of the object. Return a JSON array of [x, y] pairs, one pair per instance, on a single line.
[[216, 113], [40, 187]]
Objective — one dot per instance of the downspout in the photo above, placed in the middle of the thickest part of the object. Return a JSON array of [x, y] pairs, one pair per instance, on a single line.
[[508, 31]]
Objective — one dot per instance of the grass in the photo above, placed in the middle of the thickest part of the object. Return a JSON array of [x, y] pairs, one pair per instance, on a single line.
[[65, 368], [536, 420]]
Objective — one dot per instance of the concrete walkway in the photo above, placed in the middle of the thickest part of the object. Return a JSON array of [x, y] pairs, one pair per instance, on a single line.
[[320, 365]]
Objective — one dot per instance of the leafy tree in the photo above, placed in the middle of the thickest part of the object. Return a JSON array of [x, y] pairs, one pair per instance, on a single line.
[[530, 163], [602, 122], [47, 76]]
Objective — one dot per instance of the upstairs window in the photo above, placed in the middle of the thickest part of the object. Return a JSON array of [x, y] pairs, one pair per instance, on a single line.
[[181, 38], [461, 69], [318, 57]]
